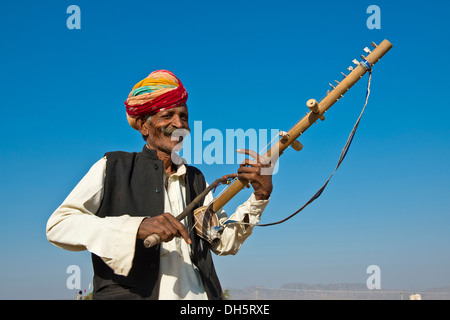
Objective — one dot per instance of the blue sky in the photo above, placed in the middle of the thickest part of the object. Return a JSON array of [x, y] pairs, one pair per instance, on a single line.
[[249, 65]]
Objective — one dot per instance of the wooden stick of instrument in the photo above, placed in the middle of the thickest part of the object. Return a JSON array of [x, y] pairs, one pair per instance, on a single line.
[[317, 111]]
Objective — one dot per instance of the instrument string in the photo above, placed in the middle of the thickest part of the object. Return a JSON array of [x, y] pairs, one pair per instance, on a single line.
[[341, 159]]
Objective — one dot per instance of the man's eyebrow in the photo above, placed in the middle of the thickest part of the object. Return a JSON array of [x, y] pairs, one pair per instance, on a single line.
[[171, 113], [166, 113]]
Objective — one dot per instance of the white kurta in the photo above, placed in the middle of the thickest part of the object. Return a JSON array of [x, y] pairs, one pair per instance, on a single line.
[[74, 226]]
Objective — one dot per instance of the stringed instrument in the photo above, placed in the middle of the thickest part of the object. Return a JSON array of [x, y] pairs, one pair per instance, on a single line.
[[206, 223]]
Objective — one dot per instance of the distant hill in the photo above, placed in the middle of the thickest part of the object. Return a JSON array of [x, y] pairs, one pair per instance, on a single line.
[[336, 291]]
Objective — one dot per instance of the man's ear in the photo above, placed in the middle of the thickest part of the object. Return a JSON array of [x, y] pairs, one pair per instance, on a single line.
[[142, 126]]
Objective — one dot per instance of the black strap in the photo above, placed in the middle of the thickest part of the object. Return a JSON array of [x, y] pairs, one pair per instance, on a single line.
[[341, 158]]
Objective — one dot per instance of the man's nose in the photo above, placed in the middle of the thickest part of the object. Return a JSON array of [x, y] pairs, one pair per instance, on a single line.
[[177, 122]]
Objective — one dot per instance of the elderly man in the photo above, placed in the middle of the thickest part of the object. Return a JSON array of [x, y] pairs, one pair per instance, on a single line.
[[125, 197]]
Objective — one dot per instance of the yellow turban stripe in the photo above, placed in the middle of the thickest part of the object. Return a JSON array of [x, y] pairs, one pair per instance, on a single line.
[[154, 82]]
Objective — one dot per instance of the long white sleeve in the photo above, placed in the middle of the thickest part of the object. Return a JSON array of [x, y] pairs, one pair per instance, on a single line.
[[74, 225]]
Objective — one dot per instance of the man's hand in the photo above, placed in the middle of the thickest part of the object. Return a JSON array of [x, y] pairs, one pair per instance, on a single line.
[[251, 171], [165, 225]]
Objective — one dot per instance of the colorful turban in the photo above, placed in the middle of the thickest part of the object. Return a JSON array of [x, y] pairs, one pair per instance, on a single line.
[[161, 90]]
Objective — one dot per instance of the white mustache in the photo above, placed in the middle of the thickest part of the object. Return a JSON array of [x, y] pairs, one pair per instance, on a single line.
[[176, 134], [171, 130]]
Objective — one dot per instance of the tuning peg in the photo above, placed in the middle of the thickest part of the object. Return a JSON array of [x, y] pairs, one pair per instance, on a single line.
[[332, 85], [284, 136], [345, 76], [296, 145], [362, 57], [373, 44], [367, 50], [313, 105], [350, 68], [355, 62]]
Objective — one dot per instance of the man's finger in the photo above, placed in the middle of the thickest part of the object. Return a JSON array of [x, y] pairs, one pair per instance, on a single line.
[[184, 234], [248, 170], [248, 162], [181, 230], [259, 159], [251, 153], [252, 163], [176, 227]]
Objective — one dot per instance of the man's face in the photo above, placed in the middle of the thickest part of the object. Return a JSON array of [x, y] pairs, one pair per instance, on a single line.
[[161, 135]]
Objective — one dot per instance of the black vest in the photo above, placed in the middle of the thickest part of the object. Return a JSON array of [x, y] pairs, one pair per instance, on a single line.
[[134, 186]]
